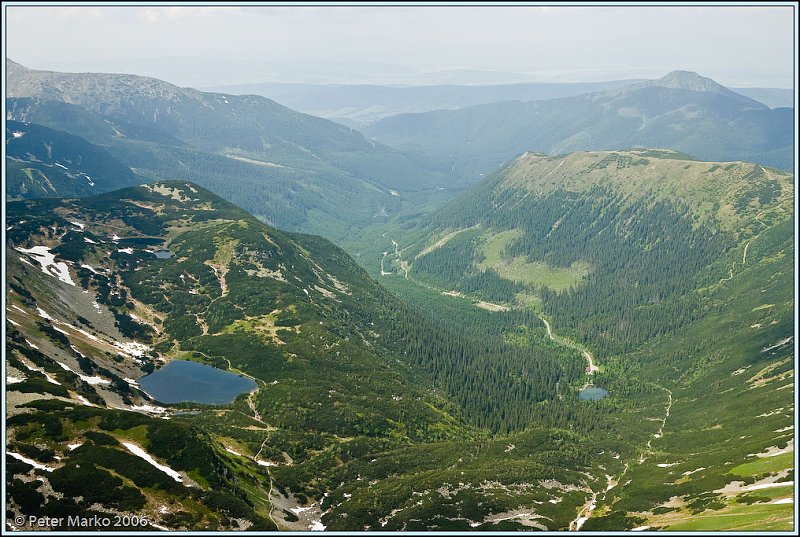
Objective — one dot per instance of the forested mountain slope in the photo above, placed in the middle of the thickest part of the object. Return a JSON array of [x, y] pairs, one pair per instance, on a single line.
[[676, 276], [291, 169], [361, 408], [42, 162], [361, 105], [681, 111]]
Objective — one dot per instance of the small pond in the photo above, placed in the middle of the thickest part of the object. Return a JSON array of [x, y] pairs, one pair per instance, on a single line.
[[163, 254], [180, 381], [592, 393]]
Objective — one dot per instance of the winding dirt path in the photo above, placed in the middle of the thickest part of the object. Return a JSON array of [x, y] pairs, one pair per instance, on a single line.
[[645, 454], [403, 264], [592, 367]]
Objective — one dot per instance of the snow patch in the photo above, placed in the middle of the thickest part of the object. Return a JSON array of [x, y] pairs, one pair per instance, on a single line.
[[132, 348], [775, 450], [85, 333], [147, 408], [139, 452], [73, 447], [128, 251], [32, 462], [43, 314], [42, 255], [10, 379], [78, 224], [90, 241], [89, 380], [84, 401], [50, 379], [12, 322], [690, 472], [17, 134], [778, 344]]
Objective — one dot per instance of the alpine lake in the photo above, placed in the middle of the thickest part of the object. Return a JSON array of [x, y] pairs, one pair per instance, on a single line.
[[183, 381], [592, 393]]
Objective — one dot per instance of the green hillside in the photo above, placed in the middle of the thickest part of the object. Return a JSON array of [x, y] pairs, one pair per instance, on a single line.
[[42, 162], [675, 276], [681, 111], [290, 169], [362, 407]]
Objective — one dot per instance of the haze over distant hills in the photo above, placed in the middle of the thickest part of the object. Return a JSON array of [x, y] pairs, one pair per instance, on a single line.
[[360, 105], [585, 340], [314, 167], [42, 162], [681, 111]]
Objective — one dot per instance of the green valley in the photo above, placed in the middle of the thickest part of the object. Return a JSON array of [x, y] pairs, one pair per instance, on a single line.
[[550, 300], [363, 408], [661, 285]]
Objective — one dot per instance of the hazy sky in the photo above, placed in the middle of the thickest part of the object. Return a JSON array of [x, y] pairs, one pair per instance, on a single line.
[[212, 45]]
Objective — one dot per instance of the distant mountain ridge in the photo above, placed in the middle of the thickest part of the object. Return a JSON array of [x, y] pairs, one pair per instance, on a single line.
[[361, 105], [688, 80], [291, 169], [42, 162], [682, 111]]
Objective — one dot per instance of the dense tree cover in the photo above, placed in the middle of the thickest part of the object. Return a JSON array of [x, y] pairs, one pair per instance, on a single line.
[[725, 126], [645, 259], [43, 162], [101, 471], [291, 170], [290, 284]]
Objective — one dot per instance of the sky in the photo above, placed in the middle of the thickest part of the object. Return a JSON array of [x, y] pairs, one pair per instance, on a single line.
[[207, 45]]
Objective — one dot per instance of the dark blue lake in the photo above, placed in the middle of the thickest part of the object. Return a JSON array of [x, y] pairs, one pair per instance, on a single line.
[[180, 381], [592, 393]]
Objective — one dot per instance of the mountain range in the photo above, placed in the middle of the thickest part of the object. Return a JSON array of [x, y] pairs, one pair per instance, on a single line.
[[358, 106], [681, 111], [672, 277], [312, 167], [578, 340], [359, 404], [43, 162]]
